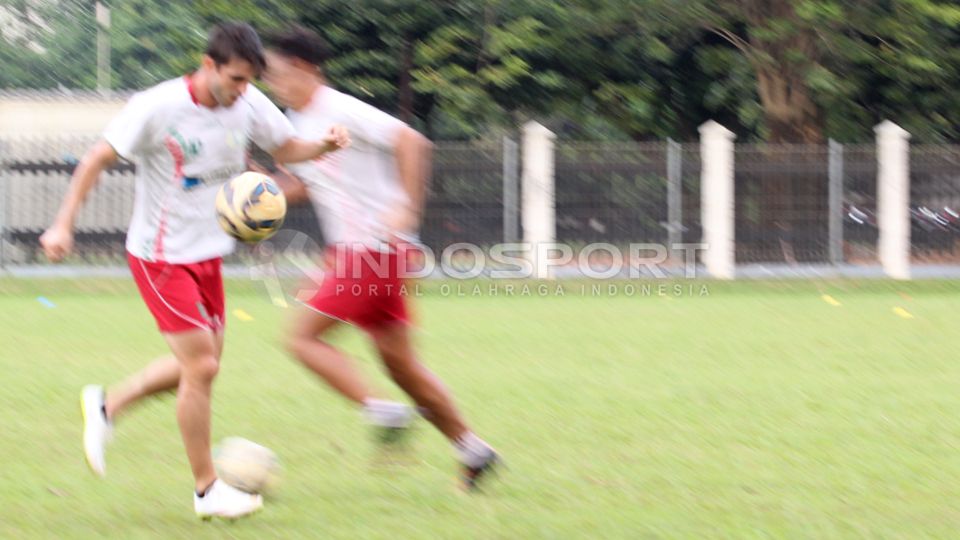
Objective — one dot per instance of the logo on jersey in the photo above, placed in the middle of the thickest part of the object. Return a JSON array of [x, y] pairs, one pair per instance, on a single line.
[[190, 182], [191, 148], [182, 149]]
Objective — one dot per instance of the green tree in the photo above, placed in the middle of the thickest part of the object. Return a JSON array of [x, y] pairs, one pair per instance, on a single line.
[[778, 70], [817, 64]]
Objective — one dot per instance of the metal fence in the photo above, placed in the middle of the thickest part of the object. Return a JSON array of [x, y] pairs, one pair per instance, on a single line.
[[473, 197], [935, 203], [781, 194], [858, 167], [794, 204], [35, 174], [689, 229], [613, 192], [466, 197], [818, 204]]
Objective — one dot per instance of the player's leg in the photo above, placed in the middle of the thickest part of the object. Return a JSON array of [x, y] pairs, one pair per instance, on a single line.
[[218, 498], [187, 303], [162, 375], [100, 408], [174, 296], [195, 350], [343, 297], [427, 391], [305, 341], [199, 355], [395, 346]]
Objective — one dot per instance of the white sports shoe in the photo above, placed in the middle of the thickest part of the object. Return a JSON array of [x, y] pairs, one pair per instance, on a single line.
[[225, 501], [97, 430]]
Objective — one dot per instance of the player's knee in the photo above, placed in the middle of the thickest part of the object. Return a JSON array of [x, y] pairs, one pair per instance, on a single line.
[[298, 340], [294, 343], [202, 369]]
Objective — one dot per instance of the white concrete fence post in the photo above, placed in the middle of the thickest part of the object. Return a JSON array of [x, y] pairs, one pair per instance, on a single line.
[[893, 199], [717, 199], [539, 211]]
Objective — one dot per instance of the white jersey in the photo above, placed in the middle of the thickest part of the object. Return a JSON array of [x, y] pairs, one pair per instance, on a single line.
[[184, 152], [351, 189]]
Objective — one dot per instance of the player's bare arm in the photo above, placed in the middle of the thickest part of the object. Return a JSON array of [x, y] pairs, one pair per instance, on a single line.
[[296, 149], [413, 153], [57, 241]]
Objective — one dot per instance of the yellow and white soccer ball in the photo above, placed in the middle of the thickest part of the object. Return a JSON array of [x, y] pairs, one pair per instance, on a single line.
[[251, 207], [246, 465]]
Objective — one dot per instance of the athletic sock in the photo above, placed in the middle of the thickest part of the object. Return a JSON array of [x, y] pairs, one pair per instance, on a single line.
[[386, 413], [202, 494], [472, 450]]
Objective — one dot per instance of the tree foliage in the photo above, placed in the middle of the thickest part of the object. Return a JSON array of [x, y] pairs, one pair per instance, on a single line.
[[778, 70]]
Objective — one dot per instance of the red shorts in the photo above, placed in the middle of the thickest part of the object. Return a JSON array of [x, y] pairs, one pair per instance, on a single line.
[[361, 287], [181, 297]]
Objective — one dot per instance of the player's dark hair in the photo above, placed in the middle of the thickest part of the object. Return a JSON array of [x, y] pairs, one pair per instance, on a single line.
[[229, 40], [301, 43]]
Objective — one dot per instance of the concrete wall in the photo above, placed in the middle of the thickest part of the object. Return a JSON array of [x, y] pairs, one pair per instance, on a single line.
[[44, 114]]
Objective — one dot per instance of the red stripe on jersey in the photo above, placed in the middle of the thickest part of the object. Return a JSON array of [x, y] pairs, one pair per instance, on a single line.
[[161, 231], [176, 152]]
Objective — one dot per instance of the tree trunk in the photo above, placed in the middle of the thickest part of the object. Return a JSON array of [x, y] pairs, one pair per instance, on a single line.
[[404, 85], [791, 117], [789, 111], [781, 62]]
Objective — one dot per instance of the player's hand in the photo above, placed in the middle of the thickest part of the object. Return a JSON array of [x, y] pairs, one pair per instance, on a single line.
[[57, 242], [337, 138]]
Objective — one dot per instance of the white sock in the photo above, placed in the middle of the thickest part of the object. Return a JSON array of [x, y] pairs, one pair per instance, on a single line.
[[387, 413], [472, 450]]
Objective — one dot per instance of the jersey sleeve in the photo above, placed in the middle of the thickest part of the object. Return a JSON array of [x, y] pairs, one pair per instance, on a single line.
[[129, 132], [369, 124], [270, 127]]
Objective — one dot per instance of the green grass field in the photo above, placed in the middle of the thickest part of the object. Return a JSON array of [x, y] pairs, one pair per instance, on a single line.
[[758, 411]]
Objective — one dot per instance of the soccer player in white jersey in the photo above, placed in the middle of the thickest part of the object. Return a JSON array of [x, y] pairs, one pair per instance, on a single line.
[[365, 194], [186, 136]]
